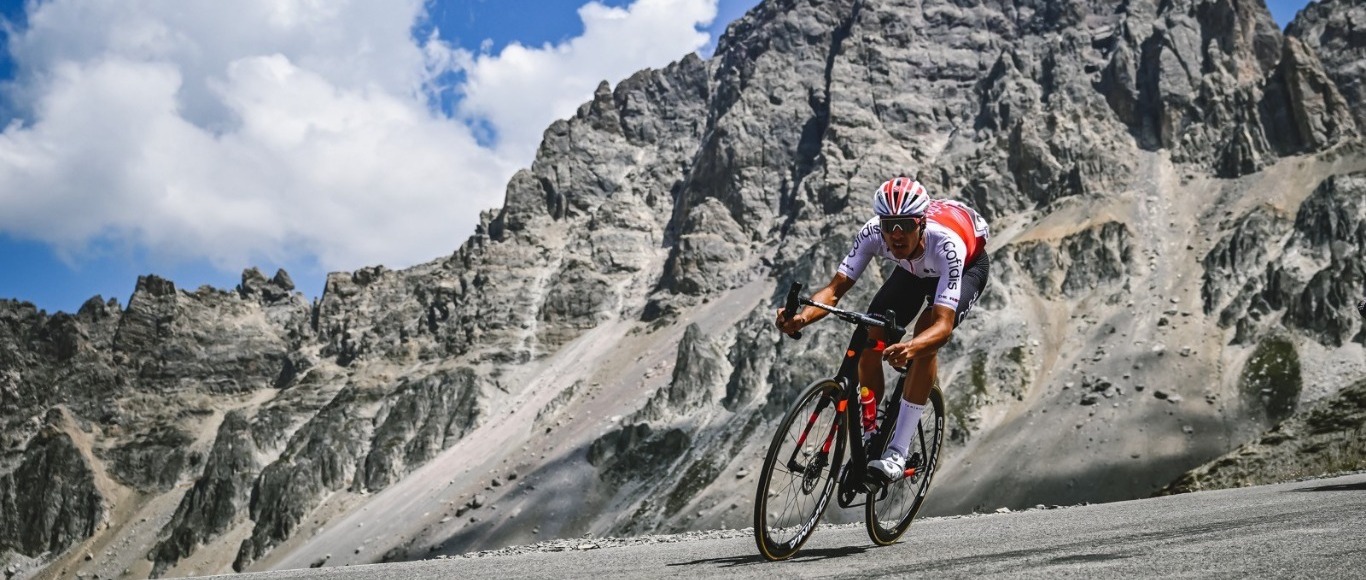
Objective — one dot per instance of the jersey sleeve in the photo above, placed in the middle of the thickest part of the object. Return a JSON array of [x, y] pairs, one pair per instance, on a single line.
[[949, 253], [866, 245]]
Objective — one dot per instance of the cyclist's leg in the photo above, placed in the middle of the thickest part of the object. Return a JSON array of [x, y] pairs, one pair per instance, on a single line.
[[870, 363], [856, 346], [902, 293], [925, 368]]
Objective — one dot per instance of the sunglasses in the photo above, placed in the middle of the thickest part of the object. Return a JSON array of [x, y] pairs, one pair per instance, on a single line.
[[899, 224]]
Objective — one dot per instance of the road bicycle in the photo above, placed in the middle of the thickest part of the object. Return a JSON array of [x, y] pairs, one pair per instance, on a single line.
[[805, 461]]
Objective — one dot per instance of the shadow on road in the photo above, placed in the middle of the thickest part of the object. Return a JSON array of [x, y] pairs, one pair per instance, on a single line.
[[1087, 558], [803, 556], [1359, 486]]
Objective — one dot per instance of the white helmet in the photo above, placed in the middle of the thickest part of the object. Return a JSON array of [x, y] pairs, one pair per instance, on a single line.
[[901, 196]]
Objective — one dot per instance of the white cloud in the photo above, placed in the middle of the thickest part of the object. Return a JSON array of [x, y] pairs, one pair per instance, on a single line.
[[283, 130], [557, 78]]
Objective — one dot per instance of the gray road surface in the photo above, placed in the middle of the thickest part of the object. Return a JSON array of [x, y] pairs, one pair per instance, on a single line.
[[1307, 529]]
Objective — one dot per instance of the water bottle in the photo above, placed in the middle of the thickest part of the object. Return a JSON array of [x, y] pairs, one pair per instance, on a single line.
[[869, 404]]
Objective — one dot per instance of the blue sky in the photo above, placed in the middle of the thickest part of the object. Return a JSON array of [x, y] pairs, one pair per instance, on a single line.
[[195, 138]]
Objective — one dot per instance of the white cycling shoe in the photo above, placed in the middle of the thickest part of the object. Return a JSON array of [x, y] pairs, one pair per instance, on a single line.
[[892, 467]]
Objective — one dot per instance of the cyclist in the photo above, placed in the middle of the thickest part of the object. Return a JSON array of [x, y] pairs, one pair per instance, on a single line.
[[939, 247]]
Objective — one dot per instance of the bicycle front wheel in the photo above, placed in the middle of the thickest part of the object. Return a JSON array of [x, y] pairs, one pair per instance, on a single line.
[[798, 475], [889, 510]]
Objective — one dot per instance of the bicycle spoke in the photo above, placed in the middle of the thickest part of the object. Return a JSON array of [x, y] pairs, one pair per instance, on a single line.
[[808, 477], [890, 511], [797, 482]]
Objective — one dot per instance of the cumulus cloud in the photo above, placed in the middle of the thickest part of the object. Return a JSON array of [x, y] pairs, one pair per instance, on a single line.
[[285, 130], [500, 88]]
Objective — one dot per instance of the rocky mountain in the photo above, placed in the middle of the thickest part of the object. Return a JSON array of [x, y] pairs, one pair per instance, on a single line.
[[1175, 191]]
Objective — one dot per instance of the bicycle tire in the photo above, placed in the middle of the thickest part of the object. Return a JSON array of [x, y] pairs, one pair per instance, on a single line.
[[889, 510], [780, 534]]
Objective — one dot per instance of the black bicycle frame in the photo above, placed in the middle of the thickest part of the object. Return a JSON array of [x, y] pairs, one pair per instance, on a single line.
[[848, 422]]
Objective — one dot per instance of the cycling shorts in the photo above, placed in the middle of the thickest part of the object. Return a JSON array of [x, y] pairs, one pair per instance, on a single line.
[[908, 294]]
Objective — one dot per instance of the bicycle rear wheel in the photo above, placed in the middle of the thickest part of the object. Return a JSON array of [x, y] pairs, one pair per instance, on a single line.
[[798, 475], [889, 510]]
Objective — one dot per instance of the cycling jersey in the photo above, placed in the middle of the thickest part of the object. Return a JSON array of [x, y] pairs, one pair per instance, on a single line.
[[955, 236]]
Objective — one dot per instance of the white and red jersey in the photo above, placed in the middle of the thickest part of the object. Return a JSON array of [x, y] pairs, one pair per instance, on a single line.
[[955, 235]]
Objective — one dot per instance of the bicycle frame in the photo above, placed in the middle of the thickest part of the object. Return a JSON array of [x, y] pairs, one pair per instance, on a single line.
[[815, 469], [848, 423]]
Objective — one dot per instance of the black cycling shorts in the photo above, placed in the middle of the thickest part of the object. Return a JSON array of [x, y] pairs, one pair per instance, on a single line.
[[908, 294]]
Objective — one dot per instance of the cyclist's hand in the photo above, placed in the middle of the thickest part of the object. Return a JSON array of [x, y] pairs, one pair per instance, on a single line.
[[790, 325], [897, 355]]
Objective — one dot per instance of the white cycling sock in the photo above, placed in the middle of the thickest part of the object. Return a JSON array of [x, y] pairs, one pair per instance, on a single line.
[[907, 424]]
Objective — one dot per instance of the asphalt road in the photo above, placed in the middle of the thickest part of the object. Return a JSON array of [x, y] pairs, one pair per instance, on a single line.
[[1307, 529]]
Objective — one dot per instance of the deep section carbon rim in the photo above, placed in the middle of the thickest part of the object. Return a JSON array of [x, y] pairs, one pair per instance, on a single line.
[[797, 479], [890, 510]]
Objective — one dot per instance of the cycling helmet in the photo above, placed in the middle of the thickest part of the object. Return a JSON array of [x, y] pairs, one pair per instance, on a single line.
[[901, 196]]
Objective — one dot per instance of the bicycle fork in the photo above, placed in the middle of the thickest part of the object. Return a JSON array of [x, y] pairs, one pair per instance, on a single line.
[[812, 469]]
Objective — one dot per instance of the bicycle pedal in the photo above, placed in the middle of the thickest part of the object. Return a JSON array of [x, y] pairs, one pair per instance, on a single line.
[[875, 479]]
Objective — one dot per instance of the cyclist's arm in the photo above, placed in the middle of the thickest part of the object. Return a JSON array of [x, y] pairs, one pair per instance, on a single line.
[[867, 243], [947, 253], [935, 335], [829, 295]]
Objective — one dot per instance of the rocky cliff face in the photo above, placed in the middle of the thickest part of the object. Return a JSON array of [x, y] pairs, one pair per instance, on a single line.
[[1333, 30], [1175, 196], [54, 497], [1313, 279]]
